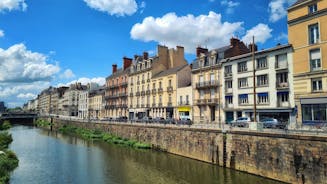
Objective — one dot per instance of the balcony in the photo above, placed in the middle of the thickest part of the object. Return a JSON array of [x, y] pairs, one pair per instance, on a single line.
[[183, 103], [123, 94], [200, 102], [212, 101], [228, 75], [159, 104], [124, 106], [124, 84], [170, 89], [143, 81], [281, 66], [138, 83], [138, 93], [282, 85], [160, 90], [148, 92], [143, 93], [131, 94], [148, 105], [131, 83], [148, 80], [229, 90], [169, 104], [207, 84], [154, 91], [283, 104], [153, 104]]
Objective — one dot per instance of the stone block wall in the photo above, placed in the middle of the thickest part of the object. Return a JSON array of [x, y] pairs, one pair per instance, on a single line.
[[288, 158]]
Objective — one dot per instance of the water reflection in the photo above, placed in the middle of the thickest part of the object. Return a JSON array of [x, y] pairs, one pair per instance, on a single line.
[[50, 157]]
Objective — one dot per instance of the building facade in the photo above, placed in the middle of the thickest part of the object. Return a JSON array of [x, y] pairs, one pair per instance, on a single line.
[[68, 103], [274, 91], [206, 81], [96, 103], [116, 93], [184, 103], [44, 101], [144, 97], [307, 29], [83, 105]]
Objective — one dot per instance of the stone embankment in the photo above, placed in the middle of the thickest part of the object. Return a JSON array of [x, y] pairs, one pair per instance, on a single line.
[[289, 158]]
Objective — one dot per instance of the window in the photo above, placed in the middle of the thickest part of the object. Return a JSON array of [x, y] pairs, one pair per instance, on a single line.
[[201, 78], [201, 94], [169, 82], [212, 77], [262, 63], [148, 75], [243, 83], [180, 99], [212, 93], [154, 99], [229, 99], [243, 99], [281, 61], [154, 86], [159, 84], [263, 98], [313, 34], [312, 8], [314, 113], [315, 62], [229, 84], [186, 99], [169, 98], [316, 85], [160, 99], [282, 96], [228, 69], [262, 80], [242, 67], [282, 77]]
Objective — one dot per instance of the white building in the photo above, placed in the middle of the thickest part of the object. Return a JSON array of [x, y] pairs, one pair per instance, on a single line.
[[184, 103], [274, 86], [83, 101]]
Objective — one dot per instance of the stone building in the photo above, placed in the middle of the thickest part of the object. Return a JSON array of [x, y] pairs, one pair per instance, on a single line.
[[44, 101], [142, 91], [164, 91], [68, 103], [206, 81], [96, 103], [32, 105], [83, 100], [184, 102], [307, 29], [274, 91], [116, 96]]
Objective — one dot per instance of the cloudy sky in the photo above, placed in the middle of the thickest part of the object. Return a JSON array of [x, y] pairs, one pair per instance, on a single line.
[[56, 42]]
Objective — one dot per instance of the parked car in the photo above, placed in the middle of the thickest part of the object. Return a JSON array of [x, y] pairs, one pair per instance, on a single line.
[[272, 123], [170, 121], [184, 122], [241, 122], [159, 120], [122, 119]]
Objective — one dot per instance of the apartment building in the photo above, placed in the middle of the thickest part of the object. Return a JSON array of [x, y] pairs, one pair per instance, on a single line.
[[68, 103], [184, 102], [116, 96], [164, 91], [307, 29], [96, 103], [274, 87], [44, 101], [143, 92], [206, 81], [32, 105], [83, 104], [56, 93]]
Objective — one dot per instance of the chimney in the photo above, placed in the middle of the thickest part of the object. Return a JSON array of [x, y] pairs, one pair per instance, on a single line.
[[255, 47], [234, 42], [127, 62], [145, 55], [114, 68], [200, 50]]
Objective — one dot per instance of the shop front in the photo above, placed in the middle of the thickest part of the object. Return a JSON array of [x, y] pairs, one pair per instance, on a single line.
[[184, 113]]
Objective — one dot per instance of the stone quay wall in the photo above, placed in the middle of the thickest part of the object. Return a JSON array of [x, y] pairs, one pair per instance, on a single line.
[[284, 157]]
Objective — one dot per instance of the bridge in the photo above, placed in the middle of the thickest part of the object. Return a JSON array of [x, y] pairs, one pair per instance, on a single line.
[[25, 118]]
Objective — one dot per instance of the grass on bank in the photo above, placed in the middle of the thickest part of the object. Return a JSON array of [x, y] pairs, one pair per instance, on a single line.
[[8, 159], [42, 123], [5, 125], [99, 135]]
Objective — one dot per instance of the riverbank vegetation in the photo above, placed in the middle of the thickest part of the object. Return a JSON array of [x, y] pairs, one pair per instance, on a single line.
[[100, 135], [42, 123], [8, 159]]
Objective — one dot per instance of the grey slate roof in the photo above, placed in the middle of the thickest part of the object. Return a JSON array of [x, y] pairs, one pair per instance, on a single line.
[[170, 71]]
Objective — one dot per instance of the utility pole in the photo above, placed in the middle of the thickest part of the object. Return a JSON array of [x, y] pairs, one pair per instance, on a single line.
[[254, 84]]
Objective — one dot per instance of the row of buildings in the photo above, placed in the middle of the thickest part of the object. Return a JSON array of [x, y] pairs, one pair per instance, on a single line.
[[217, 87]]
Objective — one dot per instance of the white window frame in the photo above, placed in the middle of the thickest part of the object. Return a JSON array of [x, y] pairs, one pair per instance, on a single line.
[[318, 83], [315, 61], [243, 83], [316, 33]]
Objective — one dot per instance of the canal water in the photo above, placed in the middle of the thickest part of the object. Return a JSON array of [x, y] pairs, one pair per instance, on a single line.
[[50, 157]]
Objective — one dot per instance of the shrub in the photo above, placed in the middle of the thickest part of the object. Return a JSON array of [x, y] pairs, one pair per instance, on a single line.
[[5, 140], [6, 125]]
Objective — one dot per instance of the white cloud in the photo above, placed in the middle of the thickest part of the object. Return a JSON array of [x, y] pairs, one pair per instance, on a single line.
[[114, 7], [282, 37], [278, 9], [26, 96], [262, 33], [229, 6], [68, 74], [11, 90], [2, 33], [99, 80], [10, 5], [21, 65], [142, 6], [188, 31]]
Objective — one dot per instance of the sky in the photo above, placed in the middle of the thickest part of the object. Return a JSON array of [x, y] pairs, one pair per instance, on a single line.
[[58, 42]]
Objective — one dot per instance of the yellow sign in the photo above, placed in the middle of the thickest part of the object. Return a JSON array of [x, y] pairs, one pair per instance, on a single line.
[[184, 109]]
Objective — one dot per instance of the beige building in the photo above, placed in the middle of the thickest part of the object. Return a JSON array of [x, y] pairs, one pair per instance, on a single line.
[[44, 101], [143, 92], [164, 91], [68, 103], [184, 102], [206, 81], [96, 104], [307, 28]]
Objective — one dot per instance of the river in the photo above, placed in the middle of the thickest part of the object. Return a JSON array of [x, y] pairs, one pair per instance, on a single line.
[[51, 157]]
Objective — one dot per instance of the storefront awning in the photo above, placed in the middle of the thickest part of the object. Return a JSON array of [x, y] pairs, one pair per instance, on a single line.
[[313, 101], [184, 109]]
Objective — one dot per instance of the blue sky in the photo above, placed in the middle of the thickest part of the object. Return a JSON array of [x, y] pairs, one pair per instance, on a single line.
[[56, 42]]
